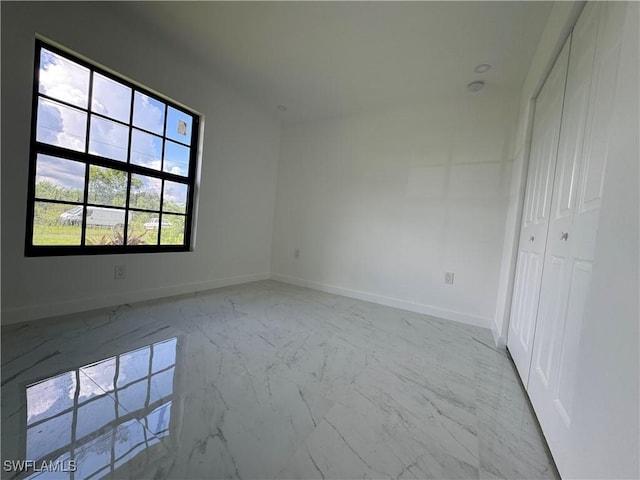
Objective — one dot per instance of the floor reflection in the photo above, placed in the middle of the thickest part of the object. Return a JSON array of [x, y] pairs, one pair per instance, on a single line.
[[101, 415]]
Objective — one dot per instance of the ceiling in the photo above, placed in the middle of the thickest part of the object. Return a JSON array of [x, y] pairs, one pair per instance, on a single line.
[[324, 59]]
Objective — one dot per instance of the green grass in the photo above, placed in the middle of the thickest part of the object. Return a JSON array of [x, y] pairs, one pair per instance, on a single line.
[[56, 235], [48, 230], [48, 234]]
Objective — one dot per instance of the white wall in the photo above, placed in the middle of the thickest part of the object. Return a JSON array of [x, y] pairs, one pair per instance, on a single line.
[[238, 176], [381, 205]]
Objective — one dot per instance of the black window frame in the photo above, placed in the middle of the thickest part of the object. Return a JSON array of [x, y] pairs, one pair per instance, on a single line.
[[89, 159]]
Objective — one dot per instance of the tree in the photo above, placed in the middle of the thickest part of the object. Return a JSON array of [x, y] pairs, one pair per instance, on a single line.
[[49, 190], [109, 186]]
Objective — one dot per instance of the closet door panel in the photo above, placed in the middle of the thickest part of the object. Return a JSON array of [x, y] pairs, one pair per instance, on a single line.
[[551, 309], [574, 116], [536, 211], [595, 155], [578, 292], [528, 277]]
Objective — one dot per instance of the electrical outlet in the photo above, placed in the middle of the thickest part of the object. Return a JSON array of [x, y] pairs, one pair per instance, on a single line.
[[119, 272], [296, 253], [448, 277]]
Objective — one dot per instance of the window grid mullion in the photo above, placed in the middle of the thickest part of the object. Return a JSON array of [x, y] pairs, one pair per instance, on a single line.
[[90, 111], [76, 156], [59, 202], [125, 229], [83, 232], [74, 421], [114, 430], [149, 375], [64, 102], [164, 147]]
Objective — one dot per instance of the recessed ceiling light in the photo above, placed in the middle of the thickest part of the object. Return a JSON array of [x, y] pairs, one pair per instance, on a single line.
[[475, 86], [482, 68], [282, 107]]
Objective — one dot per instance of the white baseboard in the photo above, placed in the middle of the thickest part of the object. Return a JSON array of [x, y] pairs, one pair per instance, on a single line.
[[34, 312], [469, 319], [12, 316], [499, 340]]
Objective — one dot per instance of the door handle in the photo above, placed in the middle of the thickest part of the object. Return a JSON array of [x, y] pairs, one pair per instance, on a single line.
[[532, 238], [564, 236]]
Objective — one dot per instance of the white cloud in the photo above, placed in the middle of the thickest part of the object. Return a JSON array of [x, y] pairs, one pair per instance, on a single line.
[[176, 192], [63, 79], [61, 125], [60, 172], [148, 113], [111, 98], [108, 139]]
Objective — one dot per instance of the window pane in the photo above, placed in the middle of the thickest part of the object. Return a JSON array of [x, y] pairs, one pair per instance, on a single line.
[[105, 226], [133, 365], [143, 228], [94, 415], [175, 197], [50, 397], [176, 158], [59, 179], [108, 139], [158, 420], [128, 436], [133, 397], [57, 224], [172, 231], [61, 125], [145, 192], [97, 378], [164, 354], [148, 113], [161, 385], [107, 186], [146, 150], [111, 98], [94, 456], [178, 126], [63, 79], [48, 436]]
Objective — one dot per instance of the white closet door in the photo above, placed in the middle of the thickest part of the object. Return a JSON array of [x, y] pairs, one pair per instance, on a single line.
[[573, 223], [535, 216]]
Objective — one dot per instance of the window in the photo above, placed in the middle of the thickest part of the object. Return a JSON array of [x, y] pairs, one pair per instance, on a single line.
[[112, 167]]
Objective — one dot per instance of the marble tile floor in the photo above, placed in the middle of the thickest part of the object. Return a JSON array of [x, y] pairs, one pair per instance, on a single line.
[[263, 380]]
